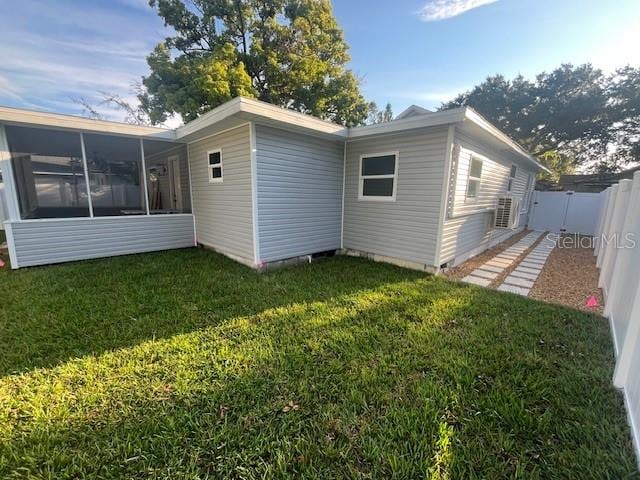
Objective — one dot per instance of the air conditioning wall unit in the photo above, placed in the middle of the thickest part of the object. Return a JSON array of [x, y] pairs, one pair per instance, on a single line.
[[507, 213]]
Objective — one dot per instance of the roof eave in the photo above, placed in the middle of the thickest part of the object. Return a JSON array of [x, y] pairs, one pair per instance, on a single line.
[[474, 117]]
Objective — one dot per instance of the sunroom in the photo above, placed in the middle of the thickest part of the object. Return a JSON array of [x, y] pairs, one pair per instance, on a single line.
[[78, 188]]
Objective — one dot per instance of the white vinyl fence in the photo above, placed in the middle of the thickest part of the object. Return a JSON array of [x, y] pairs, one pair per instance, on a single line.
[[565, 212], [618, 251]]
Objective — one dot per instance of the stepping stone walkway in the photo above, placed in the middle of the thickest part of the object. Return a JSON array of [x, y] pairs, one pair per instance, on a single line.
[[484, 275], [521, 279]]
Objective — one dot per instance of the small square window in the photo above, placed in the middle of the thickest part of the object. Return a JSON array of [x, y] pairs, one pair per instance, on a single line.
[[214, 166], [215, 158]]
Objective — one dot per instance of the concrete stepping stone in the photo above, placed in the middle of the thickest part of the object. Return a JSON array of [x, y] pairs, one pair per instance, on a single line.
[[499, 262], [490, 268], [533, 271], [481, 282], [531, 266], [525, 275], [480, 272], [513, 289], [518, 282]]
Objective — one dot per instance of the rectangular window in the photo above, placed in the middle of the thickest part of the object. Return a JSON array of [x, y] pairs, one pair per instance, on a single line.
[[378, 176], [512, 177], [475, 174], [115, 175], [531, 180], [48, 171], [214, 165]]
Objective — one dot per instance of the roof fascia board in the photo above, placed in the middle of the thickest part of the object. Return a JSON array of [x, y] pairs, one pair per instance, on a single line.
[[473, 116], [261, 109], [445, 117], [45, 119]]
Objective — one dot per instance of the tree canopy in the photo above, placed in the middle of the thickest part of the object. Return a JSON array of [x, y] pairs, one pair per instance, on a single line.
[[290, 53], [573, 116]]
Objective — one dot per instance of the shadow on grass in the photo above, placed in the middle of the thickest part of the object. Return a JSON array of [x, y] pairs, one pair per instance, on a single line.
[[49, 314], [411, 377]]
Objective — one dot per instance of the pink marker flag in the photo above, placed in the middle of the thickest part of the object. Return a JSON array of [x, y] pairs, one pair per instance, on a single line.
[[1, 263], [592, 302]]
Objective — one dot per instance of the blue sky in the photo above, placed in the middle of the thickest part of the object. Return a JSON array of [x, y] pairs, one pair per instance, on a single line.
[[405, 51]]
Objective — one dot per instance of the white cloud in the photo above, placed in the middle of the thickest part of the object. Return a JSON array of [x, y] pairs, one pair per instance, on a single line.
[[436, 10]]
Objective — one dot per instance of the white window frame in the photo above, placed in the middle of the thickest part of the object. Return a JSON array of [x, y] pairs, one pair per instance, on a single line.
[[531, 181], [210, 167], [512, 179], [470, 179], [362, 178]]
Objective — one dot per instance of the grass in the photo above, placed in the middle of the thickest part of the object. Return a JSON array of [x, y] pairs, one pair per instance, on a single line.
[[187, 365]]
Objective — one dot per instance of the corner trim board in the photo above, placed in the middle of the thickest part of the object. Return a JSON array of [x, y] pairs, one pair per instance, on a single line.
[[444, 195], [254, 191]]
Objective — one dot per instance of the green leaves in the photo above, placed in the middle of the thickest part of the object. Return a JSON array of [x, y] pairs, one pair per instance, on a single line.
[[290, 53], [572, 116]]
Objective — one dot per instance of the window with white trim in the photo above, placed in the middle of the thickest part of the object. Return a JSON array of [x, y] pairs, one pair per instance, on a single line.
[[475, 174], [512, 177], [378, 176], [531, 180], [214, 165]]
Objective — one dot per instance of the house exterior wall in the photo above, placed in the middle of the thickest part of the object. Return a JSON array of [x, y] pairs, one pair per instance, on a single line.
[[41, 242], [224, 210], [299, 193], [407, 228], [467, 229]]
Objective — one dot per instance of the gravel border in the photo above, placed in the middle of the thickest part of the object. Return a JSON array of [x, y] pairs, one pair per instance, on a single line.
[[570, 276]]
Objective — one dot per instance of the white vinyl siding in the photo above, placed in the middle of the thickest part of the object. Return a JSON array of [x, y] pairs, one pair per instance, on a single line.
[[468, 226], [406, 229], [41, 242], [299, 193], [223, 210]]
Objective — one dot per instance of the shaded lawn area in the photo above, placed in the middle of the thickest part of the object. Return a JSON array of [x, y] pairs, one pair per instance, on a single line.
[[185, 364]]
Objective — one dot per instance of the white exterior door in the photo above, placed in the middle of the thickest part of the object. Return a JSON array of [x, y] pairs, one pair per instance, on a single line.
[[565, 212]]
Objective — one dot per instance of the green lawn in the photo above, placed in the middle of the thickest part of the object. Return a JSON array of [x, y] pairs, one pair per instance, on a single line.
[[185, 364]]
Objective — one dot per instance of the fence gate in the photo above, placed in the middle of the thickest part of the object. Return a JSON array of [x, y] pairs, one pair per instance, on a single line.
[[570, 212]]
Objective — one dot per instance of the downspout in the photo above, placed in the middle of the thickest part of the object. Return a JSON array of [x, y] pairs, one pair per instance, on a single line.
[[344, 180], [444, 198], [254, 195]]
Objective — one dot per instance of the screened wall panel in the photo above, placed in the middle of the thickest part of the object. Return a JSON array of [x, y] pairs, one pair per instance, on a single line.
[[49, 173], [115, 175]]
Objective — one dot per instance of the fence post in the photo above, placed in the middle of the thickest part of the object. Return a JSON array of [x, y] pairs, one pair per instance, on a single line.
[[611, 250], [613, 193], [601, 219]]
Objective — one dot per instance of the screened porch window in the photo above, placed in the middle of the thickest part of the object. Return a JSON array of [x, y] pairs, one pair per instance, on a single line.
[[115, 175], [49, 174], [51, 168]]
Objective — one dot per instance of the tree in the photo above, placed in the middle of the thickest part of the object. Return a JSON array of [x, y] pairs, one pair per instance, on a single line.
[[374, 115], [570, 117], [290, 53]]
